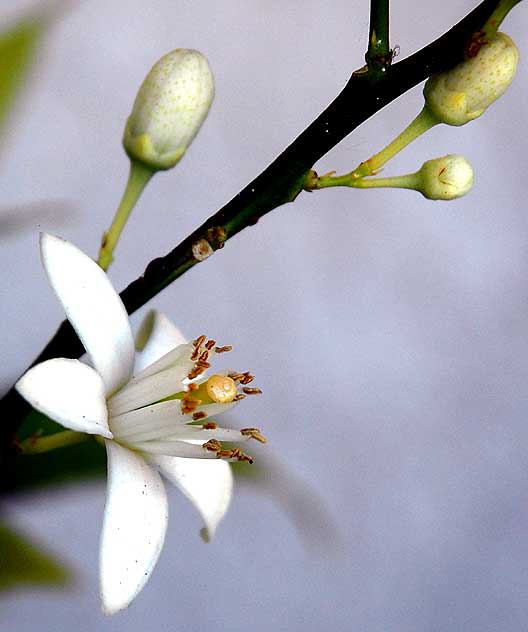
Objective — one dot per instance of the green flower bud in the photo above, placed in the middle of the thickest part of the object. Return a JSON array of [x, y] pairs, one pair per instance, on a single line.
[[169, 109], [445, 178], [461, 94]]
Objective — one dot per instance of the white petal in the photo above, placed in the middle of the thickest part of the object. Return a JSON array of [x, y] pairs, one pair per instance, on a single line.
[[157, 335], [179, 356], [134, 526], [207, 484], [93, 307], [147, 390], [163, 418], [67, 391]]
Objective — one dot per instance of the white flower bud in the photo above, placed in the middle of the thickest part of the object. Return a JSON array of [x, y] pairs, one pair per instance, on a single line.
[[445, 178], [169, 109], [461, 94]]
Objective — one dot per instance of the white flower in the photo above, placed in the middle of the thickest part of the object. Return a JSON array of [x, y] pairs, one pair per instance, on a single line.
[[143, 417], [169, 109]]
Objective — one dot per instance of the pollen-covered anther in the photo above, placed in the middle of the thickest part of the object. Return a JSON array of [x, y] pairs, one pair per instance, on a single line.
[[199, 368], [210, 344], [235, 454], [243, 378], [199, 341], [199, 415], [223, 349], [247, 378], [252, 391], [254, 433], [239, 397], [210, 425], [221, 389], [189, 404], [213, 445]]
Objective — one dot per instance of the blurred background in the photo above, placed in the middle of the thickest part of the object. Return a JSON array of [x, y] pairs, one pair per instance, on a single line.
[[389, 333]]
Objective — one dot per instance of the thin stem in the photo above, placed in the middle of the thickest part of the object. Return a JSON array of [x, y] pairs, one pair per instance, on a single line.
[[280, 183], [138, 179], [421, 124], [38, 445], [379, 54], [408, 181], [496, 18]]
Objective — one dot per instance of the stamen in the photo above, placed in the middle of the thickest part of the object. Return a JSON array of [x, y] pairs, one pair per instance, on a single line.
[[252, 391], [236, 377], [212, 445], [199, 341], [210, 344], [189, 404], [239, 397], [215, 446], [210, 425], [204, 356], [192, 387], [199, 415], [198, 369], [247, 378], [254, 433], [236, 453], [223, 349]]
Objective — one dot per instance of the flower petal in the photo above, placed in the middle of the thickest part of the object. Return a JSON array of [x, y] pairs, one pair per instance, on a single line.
[[93, 307], [134, 527], [157, 335], [207, 484], [67, 391]]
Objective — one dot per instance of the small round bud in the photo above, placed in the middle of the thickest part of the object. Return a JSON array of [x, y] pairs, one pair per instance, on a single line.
[[461, 94], [221, 389], [169, 109], [445, 178]]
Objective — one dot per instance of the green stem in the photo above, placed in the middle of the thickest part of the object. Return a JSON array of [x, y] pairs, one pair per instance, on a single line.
[[138, 178], [496, 18], [38, 445], [408, 181], [379, 54], [421, 124]]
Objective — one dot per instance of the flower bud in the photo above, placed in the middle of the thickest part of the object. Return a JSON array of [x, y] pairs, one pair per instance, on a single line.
[[445, 178], [169, 109], [461, 94]]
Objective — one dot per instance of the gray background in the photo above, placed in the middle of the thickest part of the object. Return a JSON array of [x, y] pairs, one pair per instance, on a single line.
[[389, 333]]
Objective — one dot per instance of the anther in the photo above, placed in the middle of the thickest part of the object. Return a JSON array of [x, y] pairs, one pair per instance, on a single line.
[[212, 445], [189, 404], [254, 433], [239, 397], [210, 425], [204, 356], [223, 349], [210, 344], [199, 415], [247, 378], [198, 342], [252, 391]]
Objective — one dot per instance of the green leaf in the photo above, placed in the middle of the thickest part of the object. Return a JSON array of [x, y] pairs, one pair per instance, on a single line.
[[18, 45], [23, 563]]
